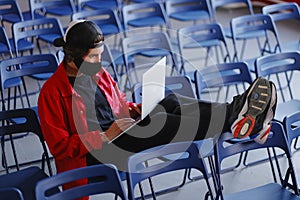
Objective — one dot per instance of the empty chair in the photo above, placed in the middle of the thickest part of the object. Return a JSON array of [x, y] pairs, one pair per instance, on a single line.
[[10, 12], [17, 156], [285, 13], [156, 44], [217, 4], [188, 157], [110, 183], [188, 10], [281, 69], [248, 25], [44, 29], [17, 67], [286, 188], [141, 15], [202, 36]]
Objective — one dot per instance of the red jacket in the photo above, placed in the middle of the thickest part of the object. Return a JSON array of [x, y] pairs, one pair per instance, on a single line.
[[62, 117]]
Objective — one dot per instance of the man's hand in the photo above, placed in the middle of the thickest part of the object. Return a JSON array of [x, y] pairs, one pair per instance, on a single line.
[[118, 127], [135, 111]]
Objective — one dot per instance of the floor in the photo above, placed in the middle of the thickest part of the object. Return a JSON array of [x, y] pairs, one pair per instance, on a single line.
[[235, 180]]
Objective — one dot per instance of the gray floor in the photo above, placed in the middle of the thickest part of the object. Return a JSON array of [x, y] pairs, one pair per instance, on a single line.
[[236, 180]]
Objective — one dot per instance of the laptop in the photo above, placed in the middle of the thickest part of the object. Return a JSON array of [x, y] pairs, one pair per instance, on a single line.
[[153, 90]]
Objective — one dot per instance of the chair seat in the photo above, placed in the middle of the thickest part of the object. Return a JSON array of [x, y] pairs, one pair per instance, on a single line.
[[23, 45], [150, 21], [11, 18], [25, 180], [102, 4], [155, 53], [108, 29], [49, 37], [61, 11], [190, 15], [286, 108], [270, 191]]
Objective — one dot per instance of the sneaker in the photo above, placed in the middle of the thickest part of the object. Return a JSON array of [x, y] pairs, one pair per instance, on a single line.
[[255, 101], [262, 135]]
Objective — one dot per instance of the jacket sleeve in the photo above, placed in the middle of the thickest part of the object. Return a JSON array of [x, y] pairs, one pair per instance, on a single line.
[[63, 140]]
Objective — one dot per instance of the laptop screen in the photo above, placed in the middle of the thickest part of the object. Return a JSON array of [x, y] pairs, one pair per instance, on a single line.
[[153, 86]]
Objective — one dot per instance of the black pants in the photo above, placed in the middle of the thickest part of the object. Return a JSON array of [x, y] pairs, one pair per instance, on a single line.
[[176, 118]]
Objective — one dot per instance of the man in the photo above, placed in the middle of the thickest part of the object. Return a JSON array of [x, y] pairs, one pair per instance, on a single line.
[[81, 109]]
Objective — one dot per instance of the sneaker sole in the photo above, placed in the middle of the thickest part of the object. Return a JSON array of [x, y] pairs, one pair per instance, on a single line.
[[258, 99]]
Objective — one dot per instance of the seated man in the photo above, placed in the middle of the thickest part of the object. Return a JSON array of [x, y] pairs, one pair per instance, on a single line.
[[81, 108]]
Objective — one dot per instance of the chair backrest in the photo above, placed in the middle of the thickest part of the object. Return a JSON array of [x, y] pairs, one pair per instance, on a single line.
[[60, 7], [10, 11], [218, 3], [177, 6], [11, 193], [110, 183], [28, 122], [181, 85], [276, 66], [220, 75], [4, 42], [34, 28], [138, 11], [105, 18], [138, 171], [292, 128], [282, 11], [202, 36], [277, 139], [155, 41], [17, 67], [251, 24]]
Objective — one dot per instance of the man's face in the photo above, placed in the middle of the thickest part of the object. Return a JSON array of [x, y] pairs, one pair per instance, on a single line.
[[94, 55]]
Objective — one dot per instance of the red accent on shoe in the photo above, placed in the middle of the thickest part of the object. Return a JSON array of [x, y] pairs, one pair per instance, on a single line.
[[240, 125], [266, 133]]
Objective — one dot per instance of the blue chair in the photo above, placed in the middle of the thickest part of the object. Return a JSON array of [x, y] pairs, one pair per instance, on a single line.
[[291, 125], [44, 29], [110, 183], [25, 178], [283, 12], [10, 12], [181, 85], [203, 36], [156, 44], [246, 27], [189, 157], [188, 11], [229, 77], [279, 68], [18, 68], [287, 188], [36, 10], [99, 4], [61, 8], [217, 4], [11, 193], [141, 15]]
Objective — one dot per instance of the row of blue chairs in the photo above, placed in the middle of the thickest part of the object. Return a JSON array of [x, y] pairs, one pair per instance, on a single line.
[[22, 185]]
